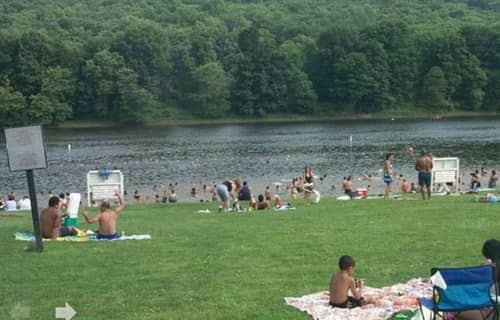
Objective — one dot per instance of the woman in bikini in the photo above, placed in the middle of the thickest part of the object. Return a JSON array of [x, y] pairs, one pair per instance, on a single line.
[[308, 183], [388, 174]]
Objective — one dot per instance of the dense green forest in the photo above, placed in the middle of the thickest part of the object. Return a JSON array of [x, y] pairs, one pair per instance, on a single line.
[[133, 61]]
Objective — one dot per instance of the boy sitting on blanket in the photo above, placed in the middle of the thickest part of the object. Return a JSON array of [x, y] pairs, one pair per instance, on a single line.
[[342, 282]]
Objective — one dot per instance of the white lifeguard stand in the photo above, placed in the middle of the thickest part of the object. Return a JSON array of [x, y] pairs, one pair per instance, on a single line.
[[444, 172], [101, 185]]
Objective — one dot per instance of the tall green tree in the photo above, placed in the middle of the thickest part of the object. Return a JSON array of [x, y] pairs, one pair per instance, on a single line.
[[484, 43], [300, 94], [134, 103], [323, 62], [12, 106], [260, 85], [114, 90], [144, 46], [212, 90], [356, 81], [34, 52], [435, 90], [402, 56], [462, 70]]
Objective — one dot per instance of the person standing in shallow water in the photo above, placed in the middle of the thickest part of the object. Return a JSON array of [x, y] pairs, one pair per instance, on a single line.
[[389, 157], [424, 168]]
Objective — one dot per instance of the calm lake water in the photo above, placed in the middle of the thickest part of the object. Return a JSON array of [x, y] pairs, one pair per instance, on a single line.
[[263, 154]]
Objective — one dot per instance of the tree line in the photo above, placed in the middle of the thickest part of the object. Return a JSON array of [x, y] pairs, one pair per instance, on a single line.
[[132, 61]]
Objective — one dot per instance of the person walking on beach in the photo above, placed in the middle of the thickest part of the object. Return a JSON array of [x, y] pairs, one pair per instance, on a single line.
[[388, 174], [424, 168]]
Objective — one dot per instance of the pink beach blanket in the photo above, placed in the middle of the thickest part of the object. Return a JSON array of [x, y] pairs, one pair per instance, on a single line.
[[402, 296]]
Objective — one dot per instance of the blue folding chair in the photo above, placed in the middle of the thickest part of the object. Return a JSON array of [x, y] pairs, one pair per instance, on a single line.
[[472, 288]]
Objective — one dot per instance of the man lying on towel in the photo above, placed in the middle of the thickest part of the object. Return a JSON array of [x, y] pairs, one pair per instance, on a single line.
[[107, 219], [50, 221]]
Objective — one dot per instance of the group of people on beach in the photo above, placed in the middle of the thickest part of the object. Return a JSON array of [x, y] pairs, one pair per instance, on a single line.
[[305, 184], [475, 179], [423, 166], [240, 192], [11, 204]]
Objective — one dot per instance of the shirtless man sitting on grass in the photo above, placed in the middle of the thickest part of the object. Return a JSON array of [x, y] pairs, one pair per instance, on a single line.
[[50, 221], [107, 219]]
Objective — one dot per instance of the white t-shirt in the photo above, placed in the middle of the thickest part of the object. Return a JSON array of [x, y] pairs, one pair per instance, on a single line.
[[24, 204], [11, 205]]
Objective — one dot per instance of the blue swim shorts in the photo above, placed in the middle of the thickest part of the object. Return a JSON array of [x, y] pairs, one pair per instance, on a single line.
[[387, 178], [108, 236]]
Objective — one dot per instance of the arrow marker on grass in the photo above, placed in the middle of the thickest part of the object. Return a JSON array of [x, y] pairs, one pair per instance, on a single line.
[[66, 313]]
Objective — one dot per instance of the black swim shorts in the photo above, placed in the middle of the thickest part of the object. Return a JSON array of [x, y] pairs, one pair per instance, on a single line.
[[424, 179], [351, 302]]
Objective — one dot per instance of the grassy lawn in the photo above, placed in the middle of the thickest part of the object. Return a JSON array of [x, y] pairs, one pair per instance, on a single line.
[[238, 266]]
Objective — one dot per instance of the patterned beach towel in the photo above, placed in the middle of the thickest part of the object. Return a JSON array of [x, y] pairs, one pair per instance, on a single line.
[[402, 296]]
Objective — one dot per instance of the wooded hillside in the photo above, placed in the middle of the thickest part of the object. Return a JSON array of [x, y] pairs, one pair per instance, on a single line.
[[131, 61]]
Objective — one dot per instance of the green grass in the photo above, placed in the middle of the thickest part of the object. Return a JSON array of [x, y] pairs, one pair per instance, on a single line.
[[238, 266]]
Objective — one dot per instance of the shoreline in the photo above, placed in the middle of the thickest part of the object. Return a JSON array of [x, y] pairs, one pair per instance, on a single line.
[[77, 124], [204, 196]]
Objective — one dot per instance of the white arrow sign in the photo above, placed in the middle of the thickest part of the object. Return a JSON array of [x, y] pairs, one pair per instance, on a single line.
[[66, 313]]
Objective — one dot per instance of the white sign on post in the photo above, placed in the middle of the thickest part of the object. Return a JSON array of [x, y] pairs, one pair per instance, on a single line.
[[26, 152], [25, 148]]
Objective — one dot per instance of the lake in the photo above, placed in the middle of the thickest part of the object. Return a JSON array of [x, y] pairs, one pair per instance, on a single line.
[[263, 154]]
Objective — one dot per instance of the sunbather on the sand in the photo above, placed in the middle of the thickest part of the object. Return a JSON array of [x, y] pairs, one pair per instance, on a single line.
[[343, 282]]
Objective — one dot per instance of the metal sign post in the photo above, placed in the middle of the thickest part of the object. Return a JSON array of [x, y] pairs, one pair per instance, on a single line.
[[34, 211], [25, 152]]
